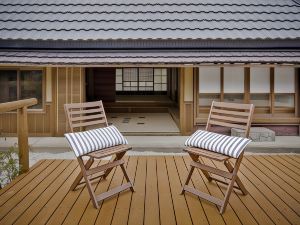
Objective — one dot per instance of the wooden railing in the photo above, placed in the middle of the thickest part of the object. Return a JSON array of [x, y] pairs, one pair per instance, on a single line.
[[21, 106]]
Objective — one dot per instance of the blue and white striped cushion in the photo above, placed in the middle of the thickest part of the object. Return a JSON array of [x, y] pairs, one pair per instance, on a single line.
[[96, 139], [227, 145]]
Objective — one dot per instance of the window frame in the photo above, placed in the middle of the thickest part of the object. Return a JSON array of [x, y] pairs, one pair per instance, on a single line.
[[19, 69], [138, 91], [271, 111]]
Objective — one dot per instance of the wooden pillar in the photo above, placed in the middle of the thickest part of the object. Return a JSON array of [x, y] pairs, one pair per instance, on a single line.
[[186, 79], [272, 94], [247, 85], [23, 140]]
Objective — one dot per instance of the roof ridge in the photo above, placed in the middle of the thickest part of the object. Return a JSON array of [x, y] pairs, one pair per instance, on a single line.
[[147, 4]]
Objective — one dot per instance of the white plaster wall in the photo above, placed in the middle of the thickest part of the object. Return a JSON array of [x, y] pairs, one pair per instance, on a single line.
[[233, 79], [209, 80], [284, 80], [259, 80]]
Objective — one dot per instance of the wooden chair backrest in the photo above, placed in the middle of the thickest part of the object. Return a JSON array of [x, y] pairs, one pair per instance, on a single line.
[[85, 115], [232, 115]]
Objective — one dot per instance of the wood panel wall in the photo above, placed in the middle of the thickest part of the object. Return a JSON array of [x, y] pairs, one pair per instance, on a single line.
[[186, 81], [67, 86]]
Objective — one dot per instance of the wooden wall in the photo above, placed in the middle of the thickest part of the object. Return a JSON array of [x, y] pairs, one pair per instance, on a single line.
[[68, 88], [62, 85], [186, 86]]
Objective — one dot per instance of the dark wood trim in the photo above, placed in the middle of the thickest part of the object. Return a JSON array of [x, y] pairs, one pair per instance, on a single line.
[[272, 95], [222, 83], [246, 85]]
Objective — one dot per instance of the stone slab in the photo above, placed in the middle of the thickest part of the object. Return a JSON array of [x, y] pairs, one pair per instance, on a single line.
[[257, 134]]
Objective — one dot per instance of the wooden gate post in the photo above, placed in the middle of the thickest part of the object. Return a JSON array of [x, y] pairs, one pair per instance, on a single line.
[[23, 140]]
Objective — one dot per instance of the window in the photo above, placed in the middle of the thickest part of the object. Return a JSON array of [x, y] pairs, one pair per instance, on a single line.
[[234, 84], [209, 85], [141, 80], [160, 79], [272, 90], [284, 89], [21, 84], [260, 86]]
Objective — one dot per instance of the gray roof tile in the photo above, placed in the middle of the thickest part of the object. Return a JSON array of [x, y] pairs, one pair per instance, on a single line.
[[152, 19], [53, 57]]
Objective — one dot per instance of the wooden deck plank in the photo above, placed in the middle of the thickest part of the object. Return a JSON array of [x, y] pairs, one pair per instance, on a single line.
[[239, 209], [280, 192], [47, 194], [295, 170], [285, 168], [90, 214], [137, 210], [213, 188], [198, 181], [180, 206], [166, 208], [108, 205], [23, 205], [42, 195], [294, 157], [195, 205], [278, 171], [77, 210], [124, 200], [250, 205], [61, 212], [14, 188], [264, 202], [20, 177], [151, 201], [291, 161], [274, 176], [18, 197], [49, 208]]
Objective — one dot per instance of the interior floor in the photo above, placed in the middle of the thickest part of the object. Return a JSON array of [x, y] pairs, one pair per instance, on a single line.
[[144, 123]]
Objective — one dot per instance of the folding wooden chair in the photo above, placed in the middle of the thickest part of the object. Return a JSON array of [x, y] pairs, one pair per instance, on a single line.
[[92, 115], [223, 114]]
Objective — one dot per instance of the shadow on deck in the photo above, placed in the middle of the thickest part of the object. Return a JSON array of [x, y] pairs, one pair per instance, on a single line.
[[42, 195]]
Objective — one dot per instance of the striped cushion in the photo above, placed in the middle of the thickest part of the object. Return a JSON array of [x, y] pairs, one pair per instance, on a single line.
[[227, 145], [96, 139]]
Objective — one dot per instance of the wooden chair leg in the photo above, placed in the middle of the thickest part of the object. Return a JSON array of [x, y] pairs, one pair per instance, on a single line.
[[127, 177], [118, 157], [231, 184], [196, 158], [237, 179], [88, 183], [80, 176], [188, 179]]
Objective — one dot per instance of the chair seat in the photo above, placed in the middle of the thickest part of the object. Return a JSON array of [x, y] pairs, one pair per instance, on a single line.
[[109, 151], [206, 153]]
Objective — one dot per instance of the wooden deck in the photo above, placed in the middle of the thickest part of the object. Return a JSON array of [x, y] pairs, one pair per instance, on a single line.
[[42, 195]]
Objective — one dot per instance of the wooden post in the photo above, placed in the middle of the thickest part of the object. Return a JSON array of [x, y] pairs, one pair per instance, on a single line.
[[21, 106], [23, 140]]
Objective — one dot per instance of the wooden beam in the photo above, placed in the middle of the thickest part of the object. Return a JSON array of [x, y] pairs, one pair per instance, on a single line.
[[10, 106]]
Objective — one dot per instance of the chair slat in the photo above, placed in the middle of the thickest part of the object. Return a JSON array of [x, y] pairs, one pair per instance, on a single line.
[[85, 124], [224, 124], [228, 118], [230, 112], [87, 111], [81, 105], [232, 105], [90, 117]]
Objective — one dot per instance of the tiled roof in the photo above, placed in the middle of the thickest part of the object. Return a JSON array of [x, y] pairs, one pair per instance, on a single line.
[[149, 19], [55, 57]]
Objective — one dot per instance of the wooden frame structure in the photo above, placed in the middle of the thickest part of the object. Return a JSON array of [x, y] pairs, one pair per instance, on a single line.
[[89, 115], [22, 107], [230, 115]]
